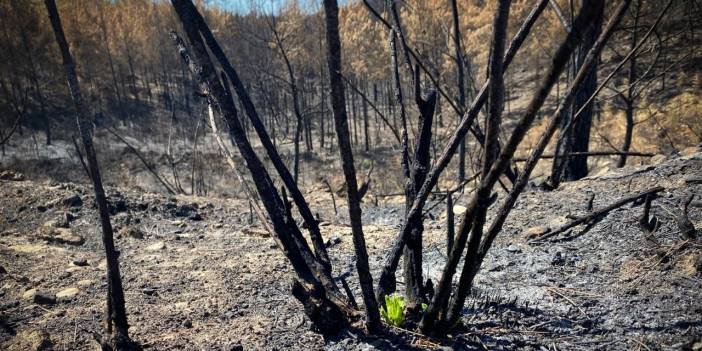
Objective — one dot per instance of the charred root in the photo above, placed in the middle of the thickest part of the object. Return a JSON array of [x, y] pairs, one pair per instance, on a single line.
[[327, 318]]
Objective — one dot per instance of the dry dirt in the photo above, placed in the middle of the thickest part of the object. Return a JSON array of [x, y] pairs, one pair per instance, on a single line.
[[200, 274]]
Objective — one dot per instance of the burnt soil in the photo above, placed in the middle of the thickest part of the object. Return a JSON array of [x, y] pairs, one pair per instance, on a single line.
[[199, 273]]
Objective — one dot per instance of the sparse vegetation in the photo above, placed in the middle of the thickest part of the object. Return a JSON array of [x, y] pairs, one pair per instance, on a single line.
[[260, 168]]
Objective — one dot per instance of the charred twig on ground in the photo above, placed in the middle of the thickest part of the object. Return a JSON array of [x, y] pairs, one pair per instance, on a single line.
[[590, 154], [599, 213], [649, 225], [687, 229]]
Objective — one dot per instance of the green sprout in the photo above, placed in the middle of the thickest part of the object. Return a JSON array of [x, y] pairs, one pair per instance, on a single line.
[[394, 310]]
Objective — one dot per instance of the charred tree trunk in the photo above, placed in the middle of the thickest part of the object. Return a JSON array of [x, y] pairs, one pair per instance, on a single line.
[[331, 11], [414, 284], [366, 134], [577, 139], [629, 98], [461, 86], [118, 316], [491, 149]]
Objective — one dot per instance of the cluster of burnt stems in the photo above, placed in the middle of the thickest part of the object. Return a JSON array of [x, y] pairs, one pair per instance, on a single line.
[[330, 308]]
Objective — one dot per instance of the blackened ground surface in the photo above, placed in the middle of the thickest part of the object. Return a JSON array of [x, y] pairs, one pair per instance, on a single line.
[[204, 277]]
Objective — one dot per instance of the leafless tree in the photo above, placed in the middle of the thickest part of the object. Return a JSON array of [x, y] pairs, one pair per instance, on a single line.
[[117, 314]]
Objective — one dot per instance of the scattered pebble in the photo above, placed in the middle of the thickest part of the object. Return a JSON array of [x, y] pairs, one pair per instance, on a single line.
[[80, 262], [67, 294], [39, 297], [72, 201], [158, 246], [513, 249]]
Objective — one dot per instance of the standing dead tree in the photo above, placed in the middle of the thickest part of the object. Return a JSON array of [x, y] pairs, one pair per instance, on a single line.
[[575, 167], [632, 93], [416, 164], [117, 314], [294, 92], [331, 12], [460, 76]]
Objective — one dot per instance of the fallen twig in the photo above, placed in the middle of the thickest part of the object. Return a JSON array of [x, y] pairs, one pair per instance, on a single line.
[[591, 154], [599, 213]]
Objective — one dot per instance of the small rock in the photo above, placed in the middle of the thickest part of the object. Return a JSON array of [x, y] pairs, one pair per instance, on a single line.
[[72, 201], [67, 294], [195, 216], [691, 264], [58, 222], [557, 259], [11, 176], [40, 298], [29, 294], [513, 248], [60, 235], [85, 283], [158, 246], [73, 269], [131, 232], [459, 210], [150, 291], [80, 262], [3, 270], [535, 232], [31, 340], [187, 324], [334, 240]]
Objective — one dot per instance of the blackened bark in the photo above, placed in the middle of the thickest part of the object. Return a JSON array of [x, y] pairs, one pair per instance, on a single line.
[[460, 84], [578, 138], [629, 99], [366, 135], [331, 11], [538, 150], [118, 316], [414, 288], [494, 120]]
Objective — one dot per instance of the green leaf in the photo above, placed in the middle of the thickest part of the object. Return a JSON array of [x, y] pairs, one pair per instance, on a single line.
[[394, 310]]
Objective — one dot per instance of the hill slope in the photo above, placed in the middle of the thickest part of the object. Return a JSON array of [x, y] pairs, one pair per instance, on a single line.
[[198, 275]]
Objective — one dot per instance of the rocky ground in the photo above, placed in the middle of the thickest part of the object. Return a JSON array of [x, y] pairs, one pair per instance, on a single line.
[[199, 273]]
